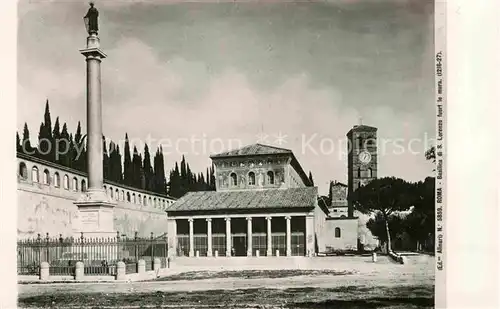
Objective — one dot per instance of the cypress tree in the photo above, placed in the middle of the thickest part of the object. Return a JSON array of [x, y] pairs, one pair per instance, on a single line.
[[163, 180], [137, 169], [148, 170], [65, 156], [48, 147], [128, 169], [81, 153], [56, 135], [42, 145], [118, 165], [18, 143], [207, 184], [106, 159], [311, 180], [26, 143], [212, 178]]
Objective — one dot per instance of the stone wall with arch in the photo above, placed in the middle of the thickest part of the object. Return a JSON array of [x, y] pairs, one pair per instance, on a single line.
[[46, 193]]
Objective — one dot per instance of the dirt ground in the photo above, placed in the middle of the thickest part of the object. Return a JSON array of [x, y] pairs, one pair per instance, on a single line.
[[325, 283]]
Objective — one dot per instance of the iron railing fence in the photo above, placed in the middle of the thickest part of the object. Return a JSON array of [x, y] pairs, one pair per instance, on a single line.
[[99, 255]]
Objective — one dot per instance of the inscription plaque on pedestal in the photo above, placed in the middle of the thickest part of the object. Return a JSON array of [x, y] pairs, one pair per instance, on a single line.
[[89, 220]]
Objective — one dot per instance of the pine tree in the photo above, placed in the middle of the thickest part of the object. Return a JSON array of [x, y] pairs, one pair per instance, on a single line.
[[311, 181], [128, 169]]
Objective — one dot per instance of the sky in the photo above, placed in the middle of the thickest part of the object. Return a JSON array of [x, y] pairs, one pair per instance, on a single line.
[[202, 78]]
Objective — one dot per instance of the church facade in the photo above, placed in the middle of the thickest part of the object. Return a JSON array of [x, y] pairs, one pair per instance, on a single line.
[[265, 205]]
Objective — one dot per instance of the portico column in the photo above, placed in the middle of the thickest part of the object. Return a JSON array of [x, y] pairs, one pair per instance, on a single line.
[[228, 236], [288, 236], [269, 237], [209, 236], [191, 237], [249, 236]]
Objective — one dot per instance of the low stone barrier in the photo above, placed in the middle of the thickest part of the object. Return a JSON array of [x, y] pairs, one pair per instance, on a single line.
[[79, 273]]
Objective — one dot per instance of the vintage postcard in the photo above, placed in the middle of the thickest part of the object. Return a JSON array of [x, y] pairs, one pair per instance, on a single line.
[[231, 154]]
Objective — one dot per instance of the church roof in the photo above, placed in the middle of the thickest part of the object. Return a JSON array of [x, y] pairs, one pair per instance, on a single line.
[[305, 197], [255, 149]]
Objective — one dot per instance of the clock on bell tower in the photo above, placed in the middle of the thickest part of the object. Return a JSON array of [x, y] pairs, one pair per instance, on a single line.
[[361, 159]]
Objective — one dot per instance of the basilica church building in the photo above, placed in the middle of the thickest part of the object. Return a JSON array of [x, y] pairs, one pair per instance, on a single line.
[[265, 205]]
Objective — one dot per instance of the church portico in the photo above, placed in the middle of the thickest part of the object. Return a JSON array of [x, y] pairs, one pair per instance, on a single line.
[[249, 235]]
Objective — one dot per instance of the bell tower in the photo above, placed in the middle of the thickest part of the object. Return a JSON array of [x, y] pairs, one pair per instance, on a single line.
[[361, 159]]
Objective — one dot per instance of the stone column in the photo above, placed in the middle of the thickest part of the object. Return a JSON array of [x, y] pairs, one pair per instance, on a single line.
[[209, 236], [288, 236], [249, 236], [191, 237], [269, 237], [95, 207], [228, 236]]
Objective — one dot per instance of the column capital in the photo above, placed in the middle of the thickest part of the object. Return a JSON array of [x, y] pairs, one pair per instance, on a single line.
[[288, 217], [190, 219], [227, 219], [209, 219], [269, 218], [249, 218]]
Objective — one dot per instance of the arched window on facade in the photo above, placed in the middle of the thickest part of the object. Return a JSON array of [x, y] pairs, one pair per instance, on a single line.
[[370, 172], [75, 184], [337, 232], [57, 180], [84, 186], [66, 182], [359, 172], [154, 202], [134, 199], [234, 179], [23, 171], [46, 177], [139, 199], [117, 194], [251, 178], [34, 174], [149, 202], [122, 195], [270, 178], [360, 142], [145, 201], [128, 196], [111, 192]]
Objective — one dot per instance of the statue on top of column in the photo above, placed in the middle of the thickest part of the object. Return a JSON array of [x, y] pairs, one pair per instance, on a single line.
[[91, 19]]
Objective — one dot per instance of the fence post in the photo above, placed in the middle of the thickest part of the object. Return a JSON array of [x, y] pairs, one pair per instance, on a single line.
[[39, 247], [152, 250], [136, 247], [118, 247], [79, 271], [81, 244], [47, 248], [120, 271]]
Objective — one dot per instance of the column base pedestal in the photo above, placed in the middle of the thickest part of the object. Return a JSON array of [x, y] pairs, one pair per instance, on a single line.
[[95, 215]]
